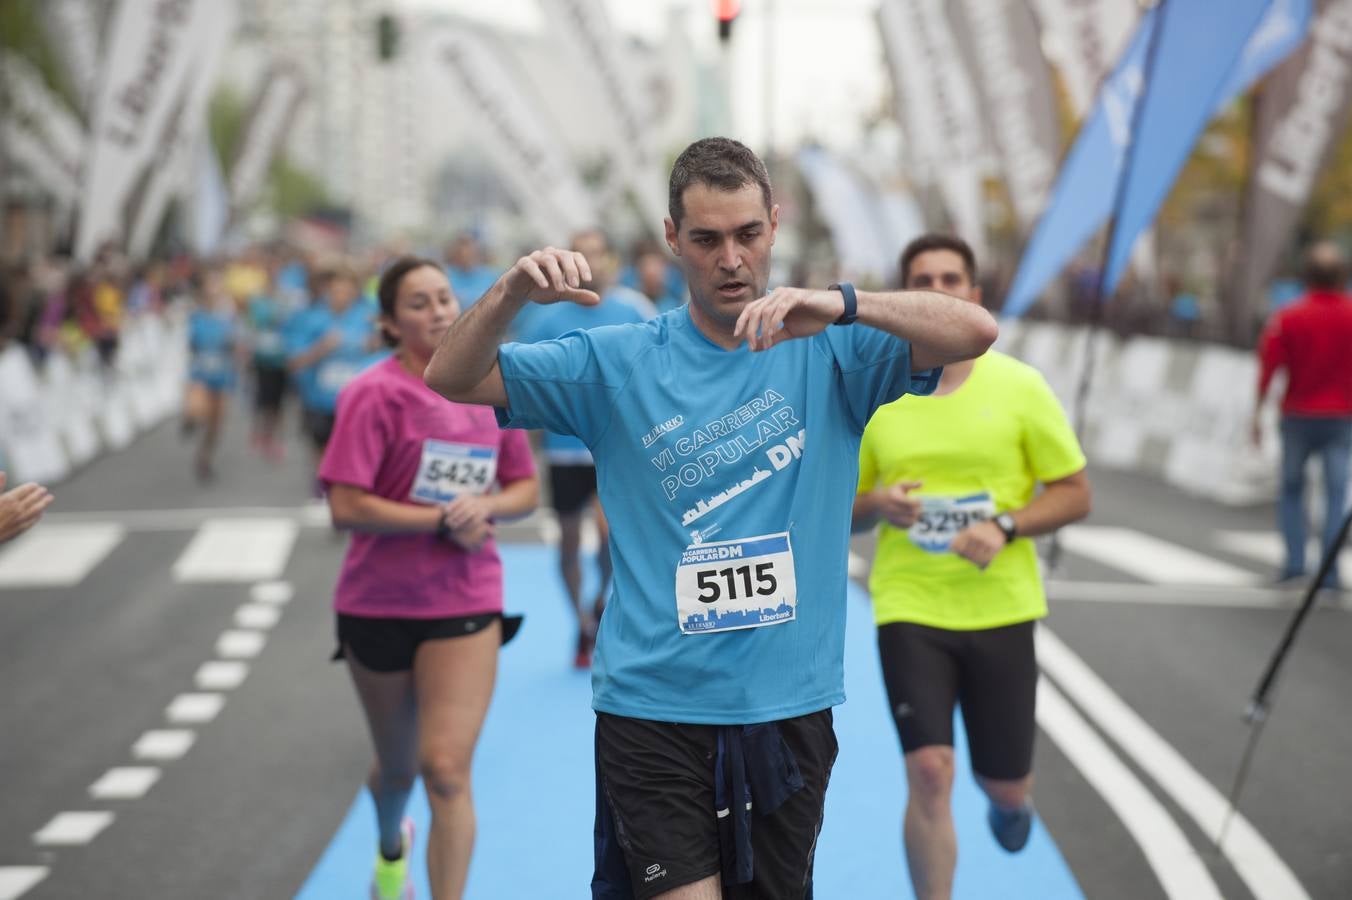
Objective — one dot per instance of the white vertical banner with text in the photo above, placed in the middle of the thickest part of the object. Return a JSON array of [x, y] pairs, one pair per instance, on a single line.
[[511, 127], [270, 117], [938, 109], [146, 64], [72, 29], [173, 161], [1084, 38], [597, 50], [38, 123]]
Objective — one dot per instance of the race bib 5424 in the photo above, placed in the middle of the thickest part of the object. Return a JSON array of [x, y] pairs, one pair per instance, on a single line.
[[448, 470]]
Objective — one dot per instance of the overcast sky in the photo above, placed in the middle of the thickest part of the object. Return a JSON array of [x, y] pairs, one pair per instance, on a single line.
[[828, 68]]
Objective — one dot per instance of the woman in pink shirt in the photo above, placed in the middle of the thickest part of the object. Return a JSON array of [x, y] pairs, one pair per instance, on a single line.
[[419, 600]]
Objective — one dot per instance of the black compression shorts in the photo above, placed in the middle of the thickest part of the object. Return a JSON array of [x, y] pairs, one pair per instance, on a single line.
[[389, 644], [991, 674], [571, 486]]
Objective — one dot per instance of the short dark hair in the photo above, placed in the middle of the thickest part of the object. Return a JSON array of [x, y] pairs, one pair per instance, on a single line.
[[1325, 267], [388, 290], [934, 241], [717, 162]]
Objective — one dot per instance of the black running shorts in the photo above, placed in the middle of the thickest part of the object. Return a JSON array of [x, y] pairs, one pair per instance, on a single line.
[[389, 645], [269, 387], [570, 487], [991, 674], [318, 427], [656, 823]]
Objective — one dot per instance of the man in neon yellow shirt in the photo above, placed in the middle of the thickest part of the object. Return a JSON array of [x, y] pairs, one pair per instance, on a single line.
[[956, 589]]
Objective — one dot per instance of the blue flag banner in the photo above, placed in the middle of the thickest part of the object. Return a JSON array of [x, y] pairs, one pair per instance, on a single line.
[[1197, 53], [1196, 74]]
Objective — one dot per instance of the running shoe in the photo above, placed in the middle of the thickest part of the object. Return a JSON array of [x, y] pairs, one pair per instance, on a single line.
[[1011, 827], [391, 881]]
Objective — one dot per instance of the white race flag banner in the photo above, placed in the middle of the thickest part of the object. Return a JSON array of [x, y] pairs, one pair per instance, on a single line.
[[146, 64], [999, 40], [210, 200], [938, 109], [173, 161], [270, 116], [31, 153], [46, 124], [510, 125], [72, 28], [1084, 38], [597, 50]]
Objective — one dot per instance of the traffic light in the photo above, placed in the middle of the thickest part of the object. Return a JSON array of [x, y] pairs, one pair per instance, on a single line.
[[387, 37], [726, 11]]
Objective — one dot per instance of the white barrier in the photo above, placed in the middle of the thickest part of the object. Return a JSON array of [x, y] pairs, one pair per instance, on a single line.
[[1178, 410], [75, 408]]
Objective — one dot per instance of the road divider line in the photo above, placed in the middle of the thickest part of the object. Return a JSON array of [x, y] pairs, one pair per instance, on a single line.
[[1060, 589], [1180, 870], [221, 675], [276, 593], [1150, 558], [1267, 547], [1257, 864], [194, 709], [57, 555], [259, 616], [124, 783], [15, 881], [240, 644], [163, 744], [70, 829]]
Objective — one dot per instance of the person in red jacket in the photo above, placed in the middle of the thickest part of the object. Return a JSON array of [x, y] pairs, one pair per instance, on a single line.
[[1312, 340]]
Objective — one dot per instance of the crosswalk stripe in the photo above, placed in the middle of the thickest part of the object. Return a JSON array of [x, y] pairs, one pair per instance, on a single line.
[[57, 555], [1267, 547], [17, 880], [1150, 558], [237, 550]]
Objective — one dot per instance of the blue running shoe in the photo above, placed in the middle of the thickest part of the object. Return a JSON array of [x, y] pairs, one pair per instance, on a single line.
[[1011, 827]]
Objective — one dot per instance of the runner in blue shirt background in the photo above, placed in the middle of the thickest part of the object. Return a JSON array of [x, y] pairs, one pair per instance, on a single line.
[[726, 436], [213, 336], [572, 474]]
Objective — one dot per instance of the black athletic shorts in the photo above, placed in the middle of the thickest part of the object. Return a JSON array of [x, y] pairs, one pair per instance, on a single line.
[[318, 427], [992, 674], [657, 825], [389, 645], [270, 387], [571, 486]]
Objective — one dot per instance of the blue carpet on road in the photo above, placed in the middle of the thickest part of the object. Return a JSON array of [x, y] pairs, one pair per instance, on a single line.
[[534, 786]]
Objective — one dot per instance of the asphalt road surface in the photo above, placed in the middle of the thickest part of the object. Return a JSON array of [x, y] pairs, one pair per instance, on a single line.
[[170, 725]]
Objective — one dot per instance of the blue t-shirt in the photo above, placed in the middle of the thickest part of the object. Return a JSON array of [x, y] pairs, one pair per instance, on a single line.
[[320, 383], [618, 306], [698, 451], [211, 344], [469, 285], [266, 320]]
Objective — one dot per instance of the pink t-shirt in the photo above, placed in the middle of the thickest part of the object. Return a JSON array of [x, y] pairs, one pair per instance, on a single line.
[[393, 436]]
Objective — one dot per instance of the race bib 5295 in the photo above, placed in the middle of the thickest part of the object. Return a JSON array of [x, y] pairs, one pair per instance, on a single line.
[[941, 518]]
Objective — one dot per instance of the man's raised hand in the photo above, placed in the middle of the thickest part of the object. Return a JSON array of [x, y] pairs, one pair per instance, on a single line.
[[551, 275], [787, 313]]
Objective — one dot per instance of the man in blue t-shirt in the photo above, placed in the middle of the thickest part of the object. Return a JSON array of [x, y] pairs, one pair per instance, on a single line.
[[726, 438], [572, 473]]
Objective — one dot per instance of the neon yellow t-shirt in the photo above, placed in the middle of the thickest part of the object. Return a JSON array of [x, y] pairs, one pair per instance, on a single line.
[[999, 434]]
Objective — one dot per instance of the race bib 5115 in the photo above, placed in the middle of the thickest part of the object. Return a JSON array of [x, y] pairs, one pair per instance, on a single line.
[[744, 583]]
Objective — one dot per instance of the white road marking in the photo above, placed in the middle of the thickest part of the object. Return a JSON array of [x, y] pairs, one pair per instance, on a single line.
[[1065, 589], [237, 550], [240, 644], [220, 675], [310, 515], [1179, 868], [1267, 547], [276, 593], [1150, 558], [57, 555], [1257, 864], [124, 783], [194, 709], [73, 828], [257, 615], [17, 880], [163, 744]]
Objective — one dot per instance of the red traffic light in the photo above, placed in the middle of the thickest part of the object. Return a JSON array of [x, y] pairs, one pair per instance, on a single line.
[[727, 10]]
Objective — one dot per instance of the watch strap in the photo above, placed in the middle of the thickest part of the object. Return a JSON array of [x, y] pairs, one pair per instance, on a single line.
[[851, 302]]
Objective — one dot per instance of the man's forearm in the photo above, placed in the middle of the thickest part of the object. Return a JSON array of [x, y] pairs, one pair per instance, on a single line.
[[865, 514], [469, 349], [1058, 505], [943, 329]]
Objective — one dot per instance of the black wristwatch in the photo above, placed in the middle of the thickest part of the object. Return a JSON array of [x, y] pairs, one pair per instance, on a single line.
[[443, 530], [851, 302], [1005, 522]]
